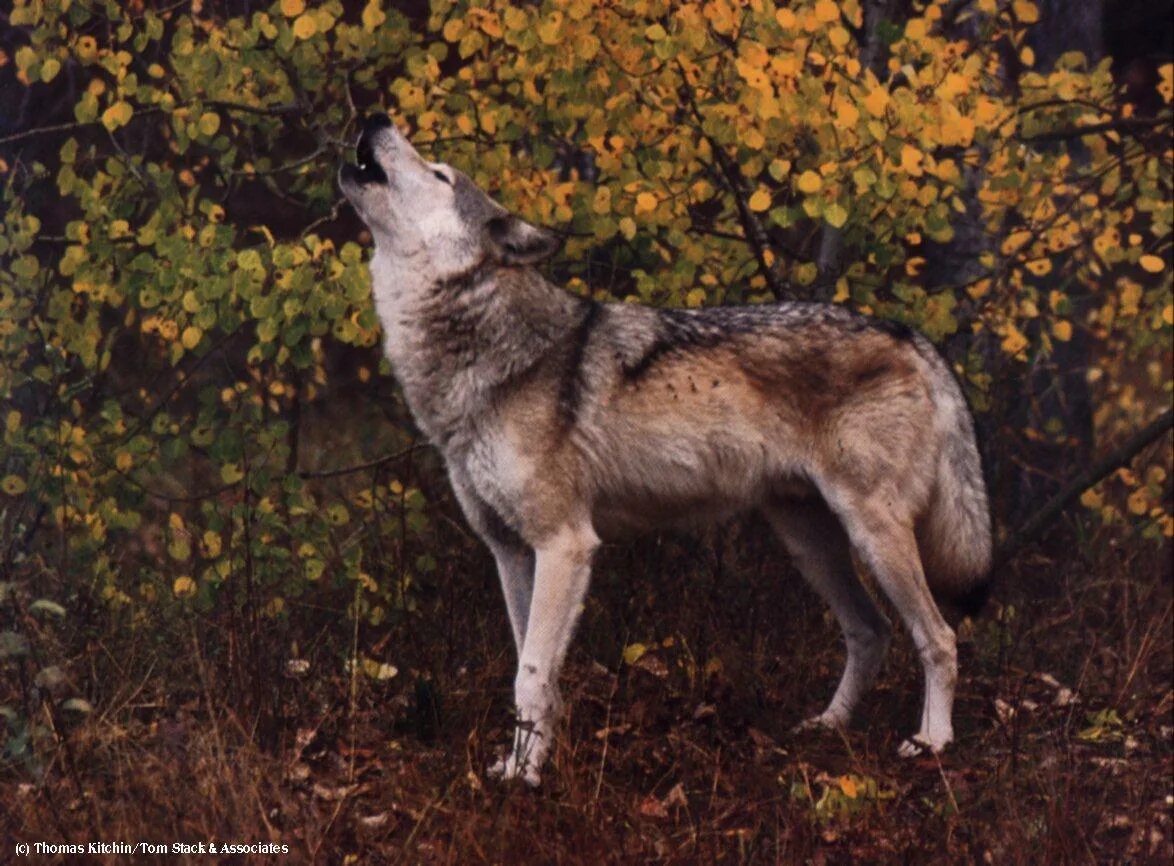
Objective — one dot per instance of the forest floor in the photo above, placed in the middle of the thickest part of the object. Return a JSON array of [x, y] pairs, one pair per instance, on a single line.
[[684, 754]]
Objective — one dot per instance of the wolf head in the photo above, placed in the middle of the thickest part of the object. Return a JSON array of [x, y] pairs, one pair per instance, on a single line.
[[419, 208]]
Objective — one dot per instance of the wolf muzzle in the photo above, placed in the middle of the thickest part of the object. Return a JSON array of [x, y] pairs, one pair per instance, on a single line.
[[367, 169]]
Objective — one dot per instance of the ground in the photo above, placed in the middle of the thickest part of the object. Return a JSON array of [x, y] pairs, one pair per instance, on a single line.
[[694, 660]]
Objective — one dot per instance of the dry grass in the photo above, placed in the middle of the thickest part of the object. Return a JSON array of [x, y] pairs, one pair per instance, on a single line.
[[1064, 720]]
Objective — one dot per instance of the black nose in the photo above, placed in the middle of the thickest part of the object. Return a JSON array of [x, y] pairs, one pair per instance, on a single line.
[[375, 122]]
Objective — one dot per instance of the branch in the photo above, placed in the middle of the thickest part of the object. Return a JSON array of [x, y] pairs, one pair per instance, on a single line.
[[755, 234], [1129, 126], [349, 470], [273, 110], [43, 130], [1072, 490]]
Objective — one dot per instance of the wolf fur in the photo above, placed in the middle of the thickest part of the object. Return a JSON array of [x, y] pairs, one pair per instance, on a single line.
[[563, 421]]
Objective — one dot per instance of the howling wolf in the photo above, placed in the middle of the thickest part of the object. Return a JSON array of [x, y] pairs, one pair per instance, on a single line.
[[563, 421]]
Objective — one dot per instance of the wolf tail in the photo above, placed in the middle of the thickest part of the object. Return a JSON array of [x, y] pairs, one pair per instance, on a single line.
[[954, 535]]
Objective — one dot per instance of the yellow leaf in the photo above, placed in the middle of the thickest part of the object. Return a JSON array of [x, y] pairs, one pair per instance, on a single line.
[[212, 543], [1168, 314], [184, 587], [628, 228], [1014, 241], [810, 182], [695, 298], [836, 215], [292, 8], [1151, 263], [645, 203], [1026, 11], [1027, 56], [209, 123], [760, 201], [955, 84], [306, 26], [633, 652], [191, 337], [1062, 331], [118, 114], [877, 101], [124, 461], [1091, 499], [1013, 341], [839, 37], [1138, 502], [373, 15], [826, 11], [911, 159], [1039, 267], [848, 786], [846, 115], [550, 30], [916, 29]]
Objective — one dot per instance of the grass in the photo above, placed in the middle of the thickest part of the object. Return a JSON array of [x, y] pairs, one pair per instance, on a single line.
[[1065, 721]]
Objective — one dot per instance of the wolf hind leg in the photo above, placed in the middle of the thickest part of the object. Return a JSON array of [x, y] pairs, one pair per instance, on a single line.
[[819, 546], [886, 543]]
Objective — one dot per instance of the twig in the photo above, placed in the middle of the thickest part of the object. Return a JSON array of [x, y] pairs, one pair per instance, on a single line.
[[362, 467], [1072, 490]]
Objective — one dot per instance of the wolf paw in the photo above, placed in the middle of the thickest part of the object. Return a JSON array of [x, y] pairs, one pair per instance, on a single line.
[[823, 722], [918, 745], [508, 767]]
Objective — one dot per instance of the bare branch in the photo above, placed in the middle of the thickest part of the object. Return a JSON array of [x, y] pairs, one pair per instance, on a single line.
[[1055, 506]]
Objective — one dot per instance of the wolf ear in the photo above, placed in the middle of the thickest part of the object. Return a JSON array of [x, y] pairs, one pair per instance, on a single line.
[[515, 242]]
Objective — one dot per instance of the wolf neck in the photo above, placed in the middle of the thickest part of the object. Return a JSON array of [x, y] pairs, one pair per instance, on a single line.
[[454, 341]]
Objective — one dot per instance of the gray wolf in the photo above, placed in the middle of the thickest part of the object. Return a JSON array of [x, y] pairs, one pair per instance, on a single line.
[[563, 421]]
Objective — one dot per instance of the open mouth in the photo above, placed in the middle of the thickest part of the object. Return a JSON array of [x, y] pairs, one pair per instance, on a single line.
[[366, 168]]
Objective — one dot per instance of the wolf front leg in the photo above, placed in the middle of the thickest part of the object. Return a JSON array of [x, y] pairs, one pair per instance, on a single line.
[[514, 558], [562, 570]]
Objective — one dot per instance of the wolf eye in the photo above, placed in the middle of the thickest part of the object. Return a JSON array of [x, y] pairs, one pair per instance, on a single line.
[[442, 176]]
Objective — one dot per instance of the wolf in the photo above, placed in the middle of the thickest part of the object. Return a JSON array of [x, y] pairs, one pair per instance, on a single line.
[[563, 421]]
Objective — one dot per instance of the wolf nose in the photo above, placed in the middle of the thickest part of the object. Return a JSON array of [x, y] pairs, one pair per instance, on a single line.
[[375, 122]]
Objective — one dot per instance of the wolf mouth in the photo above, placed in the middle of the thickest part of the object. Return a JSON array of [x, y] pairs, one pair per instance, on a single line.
[[366, 168]]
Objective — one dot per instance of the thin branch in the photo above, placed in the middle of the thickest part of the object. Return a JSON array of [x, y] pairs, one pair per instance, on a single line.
[[270, 110], [1071, 491], [362, 467], [1129, 125], [755, 233], [43, 130]]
